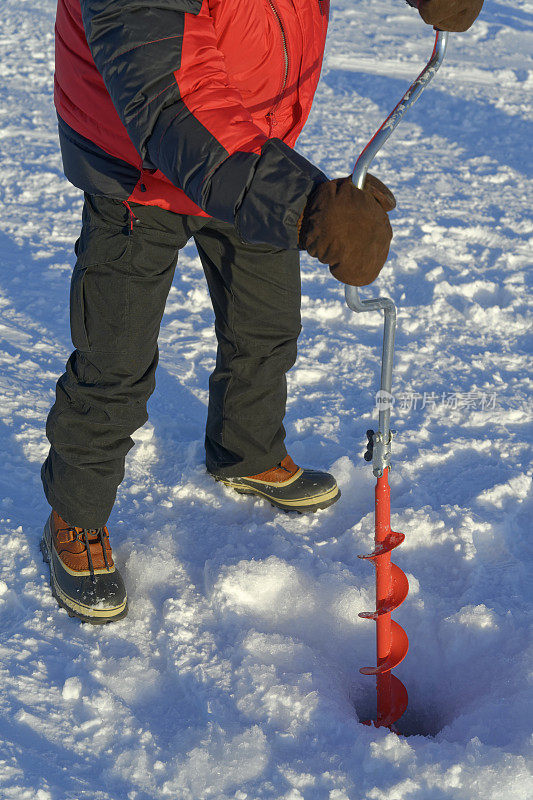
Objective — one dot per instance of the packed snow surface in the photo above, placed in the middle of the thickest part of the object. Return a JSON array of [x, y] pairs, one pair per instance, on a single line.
[[235, 674]]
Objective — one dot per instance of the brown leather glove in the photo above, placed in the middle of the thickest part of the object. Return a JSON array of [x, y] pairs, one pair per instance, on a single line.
[[450, 15], [348, 228]]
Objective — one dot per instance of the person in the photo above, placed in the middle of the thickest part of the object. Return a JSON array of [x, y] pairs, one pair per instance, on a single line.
[[178, 119]]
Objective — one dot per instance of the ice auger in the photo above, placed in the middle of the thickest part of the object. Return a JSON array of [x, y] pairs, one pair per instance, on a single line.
[[391, 582]]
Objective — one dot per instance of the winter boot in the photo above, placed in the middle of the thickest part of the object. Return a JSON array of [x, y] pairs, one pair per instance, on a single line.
[[83, 577], [289, 487]]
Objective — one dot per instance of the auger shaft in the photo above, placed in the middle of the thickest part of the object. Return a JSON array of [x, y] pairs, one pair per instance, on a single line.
[[383, 570], [383, 590], [391, 590], [389, 706]]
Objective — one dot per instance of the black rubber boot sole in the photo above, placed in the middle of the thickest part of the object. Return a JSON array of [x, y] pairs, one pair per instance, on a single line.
[[278, 504], [310, 491], [63, 600]]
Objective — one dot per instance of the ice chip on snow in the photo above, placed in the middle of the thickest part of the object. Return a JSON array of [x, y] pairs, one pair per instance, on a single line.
[[71, 689]]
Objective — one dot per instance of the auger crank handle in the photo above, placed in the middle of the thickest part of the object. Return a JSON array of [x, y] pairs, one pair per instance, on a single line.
[[382, 439], [408, 100]]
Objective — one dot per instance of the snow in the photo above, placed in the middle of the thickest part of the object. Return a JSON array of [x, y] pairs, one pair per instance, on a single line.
[[235, 674]]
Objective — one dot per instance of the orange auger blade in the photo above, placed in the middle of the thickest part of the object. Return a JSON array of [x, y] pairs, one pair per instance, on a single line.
[[396, 654], [392, 587], [399, 591]]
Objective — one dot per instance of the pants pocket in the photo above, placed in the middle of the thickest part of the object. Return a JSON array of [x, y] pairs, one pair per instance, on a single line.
[[100, 298], [78, 330]]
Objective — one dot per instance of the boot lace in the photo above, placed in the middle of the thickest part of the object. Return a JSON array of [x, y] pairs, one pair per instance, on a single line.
[[82, 535]]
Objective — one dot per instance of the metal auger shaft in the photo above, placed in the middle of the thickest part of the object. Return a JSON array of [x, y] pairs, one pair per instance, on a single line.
[[391, 590], [391, 582]]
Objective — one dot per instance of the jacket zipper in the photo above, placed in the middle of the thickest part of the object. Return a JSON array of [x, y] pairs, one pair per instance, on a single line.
[[276, 13]]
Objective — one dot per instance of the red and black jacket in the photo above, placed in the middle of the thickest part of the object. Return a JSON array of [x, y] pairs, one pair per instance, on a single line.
[[192, 105]]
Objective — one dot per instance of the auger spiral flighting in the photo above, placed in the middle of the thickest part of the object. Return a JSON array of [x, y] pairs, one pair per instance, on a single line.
[[391, 590]]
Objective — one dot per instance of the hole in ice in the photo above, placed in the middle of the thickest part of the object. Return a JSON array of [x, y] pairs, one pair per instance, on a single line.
[[414, 722], [420, 722]]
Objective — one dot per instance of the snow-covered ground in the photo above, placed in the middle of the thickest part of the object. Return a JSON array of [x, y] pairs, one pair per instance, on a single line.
[[235, 674]]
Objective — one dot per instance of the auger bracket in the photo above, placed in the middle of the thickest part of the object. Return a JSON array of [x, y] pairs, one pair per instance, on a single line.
[[381, 453], [378, 451]]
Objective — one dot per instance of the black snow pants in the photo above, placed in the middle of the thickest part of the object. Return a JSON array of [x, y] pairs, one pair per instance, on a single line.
[[126, 257]]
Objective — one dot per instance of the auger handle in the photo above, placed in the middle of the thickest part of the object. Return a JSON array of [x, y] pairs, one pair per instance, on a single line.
[[381, 453], [408, 100]]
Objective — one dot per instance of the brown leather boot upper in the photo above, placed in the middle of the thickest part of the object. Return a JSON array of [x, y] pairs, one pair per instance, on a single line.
[[72, 546], [278, 474]]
